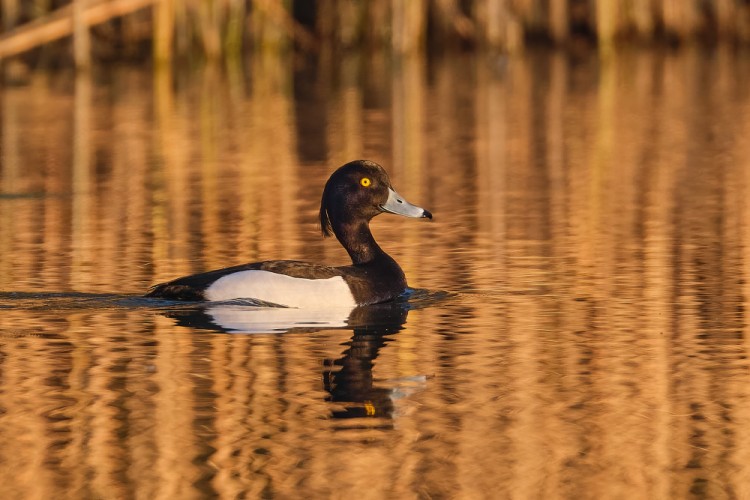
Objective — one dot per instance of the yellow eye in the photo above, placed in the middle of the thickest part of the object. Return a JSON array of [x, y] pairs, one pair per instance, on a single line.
[[365, 182]]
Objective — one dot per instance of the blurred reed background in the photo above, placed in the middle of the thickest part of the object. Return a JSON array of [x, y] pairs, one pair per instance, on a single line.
[[168, 29]]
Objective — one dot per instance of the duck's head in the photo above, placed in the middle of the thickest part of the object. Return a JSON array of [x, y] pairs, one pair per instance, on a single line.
[[360, 190]]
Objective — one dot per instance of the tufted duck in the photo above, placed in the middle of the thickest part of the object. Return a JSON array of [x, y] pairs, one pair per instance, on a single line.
[[354, 194]]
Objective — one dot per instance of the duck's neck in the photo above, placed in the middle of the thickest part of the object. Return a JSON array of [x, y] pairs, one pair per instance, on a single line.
[[356, 238]]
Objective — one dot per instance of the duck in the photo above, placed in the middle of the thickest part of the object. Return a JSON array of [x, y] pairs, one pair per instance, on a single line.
[[353, 195]]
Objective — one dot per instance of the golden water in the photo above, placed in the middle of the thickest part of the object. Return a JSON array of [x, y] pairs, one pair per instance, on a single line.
[[592, 225]]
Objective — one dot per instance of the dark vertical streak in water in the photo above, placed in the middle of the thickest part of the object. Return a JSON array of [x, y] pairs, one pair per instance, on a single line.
[[204, 408], [311, 118]]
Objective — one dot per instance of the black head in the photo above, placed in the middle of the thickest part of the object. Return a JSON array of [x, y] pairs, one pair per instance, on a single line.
[[360, 190]]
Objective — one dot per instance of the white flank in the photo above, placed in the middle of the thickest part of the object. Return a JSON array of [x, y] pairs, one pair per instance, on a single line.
[[282, 289]]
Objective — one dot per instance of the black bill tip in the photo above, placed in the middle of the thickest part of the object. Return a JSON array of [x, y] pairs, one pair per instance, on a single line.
[[427, 215]]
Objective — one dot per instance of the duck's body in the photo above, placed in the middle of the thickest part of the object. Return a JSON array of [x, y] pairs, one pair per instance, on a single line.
[[353, 195], [291, 283]]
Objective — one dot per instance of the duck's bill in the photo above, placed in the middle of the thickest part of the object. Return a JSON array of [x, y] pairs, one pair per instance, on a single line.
[[396, 204]]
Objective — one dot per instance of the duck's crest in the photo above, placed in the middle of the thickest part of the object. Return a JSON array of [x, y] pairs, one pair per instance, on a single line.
[[325, 219], [325, 222]]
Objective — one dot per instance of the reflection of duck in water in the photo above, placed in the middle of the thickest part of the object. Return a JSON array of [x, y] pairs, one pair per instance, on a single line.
[[348, 379], [354, 194], [352, 385], [247, 317]]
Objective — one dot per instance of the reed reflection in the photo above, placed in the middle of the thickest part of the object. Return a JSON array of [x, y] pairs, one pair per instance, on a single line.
[[593, 216]]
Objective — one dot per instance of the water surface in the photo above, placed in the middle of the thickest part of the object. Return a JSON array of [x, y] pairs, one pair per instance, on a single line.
[[578, 328]]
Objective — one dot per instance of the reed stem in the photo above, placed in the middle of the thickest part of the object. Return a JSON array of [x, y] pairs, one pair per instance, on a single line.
[[81, 40], [164, 22]]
